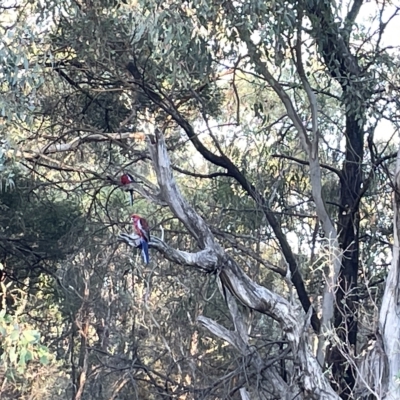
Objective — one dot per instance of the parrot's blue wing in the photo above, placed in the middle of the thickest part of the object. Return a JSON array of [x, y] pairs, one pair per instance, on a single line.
[[145, 251]]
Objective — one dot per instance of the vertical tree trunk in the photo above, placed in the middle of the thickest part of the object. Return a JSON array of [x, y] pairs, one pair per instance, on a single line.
[[390, 312], [348, 228], [344, 67]]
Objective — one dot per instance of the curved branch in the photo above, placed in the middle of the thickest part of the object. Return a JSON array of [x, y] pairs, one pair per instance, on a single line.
[[142, 186], [183, 211], [197, 175], [304, 162], [250, 189], [75, 143], [203, 260], [310, 147], [232, 277]]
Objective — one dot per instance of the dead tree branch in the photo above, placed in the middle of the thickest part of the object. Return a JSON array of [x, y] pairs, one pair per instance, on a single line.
[[309, 379]]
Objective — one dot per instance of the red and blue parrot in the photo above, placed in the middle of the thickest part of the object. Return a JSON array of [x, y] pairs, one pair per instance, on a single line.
[[141, 228], [126, 179]]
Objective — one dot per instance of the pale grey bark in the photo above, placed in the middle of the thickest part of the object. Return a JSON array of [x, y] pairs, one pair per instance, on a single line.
[[53, 148], [310, 147], [204, 259], [244, 394], [372, 370], [308, 379], [390, 311], [378, 368], [266, 373]]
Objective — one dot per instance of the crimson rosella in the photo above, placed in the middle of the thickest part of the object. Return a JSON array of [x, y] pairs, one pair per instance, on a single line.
[[141, 228], [126, 179]]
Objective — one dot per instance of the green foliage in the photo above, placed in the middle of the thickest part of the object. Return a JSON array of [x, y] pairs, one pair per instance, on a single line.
[[69, 70], [20, 64], [20, 345], [39, 219]]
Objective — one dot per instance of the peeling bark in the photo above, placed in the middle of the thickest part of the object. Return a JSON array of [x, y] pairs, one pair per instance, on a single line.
[[372, 370]]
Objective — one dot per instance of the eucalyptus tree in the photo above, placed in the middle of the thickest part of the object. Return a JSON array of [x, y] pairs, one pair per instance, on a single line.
[[282, 100]]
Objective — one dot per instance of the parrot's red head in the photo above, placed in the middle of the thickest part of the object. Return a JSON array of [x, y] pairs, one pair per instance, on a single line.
[[135, 217]]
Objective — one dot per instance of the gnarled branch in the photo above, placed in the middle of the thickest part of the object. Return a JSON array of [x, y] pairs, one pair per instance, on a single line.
[[249, 293]]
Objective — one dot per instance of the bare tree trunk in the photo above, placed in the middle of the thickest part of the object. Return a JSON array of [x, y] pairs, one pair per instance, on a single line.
[[378, 368], [345, 323], [344, 67], [390, 310]]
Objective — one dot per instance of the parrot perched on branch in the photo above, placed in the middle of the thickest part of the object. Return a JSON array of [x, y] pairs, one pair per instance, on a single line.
[[141, 228], [126, 179]]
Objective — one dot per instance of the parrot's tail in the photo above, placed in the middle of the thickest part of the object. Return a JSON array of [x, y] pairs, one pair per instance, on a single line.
[[145, 251]]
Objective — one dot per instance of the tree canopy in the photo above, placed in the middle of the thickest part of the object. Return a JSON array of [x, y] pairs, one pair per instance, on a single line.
[[261, 138]]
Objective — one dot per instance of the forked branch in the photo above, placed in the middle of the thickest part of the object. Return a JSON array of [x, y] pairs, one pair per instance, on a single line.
[[233, 279]]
